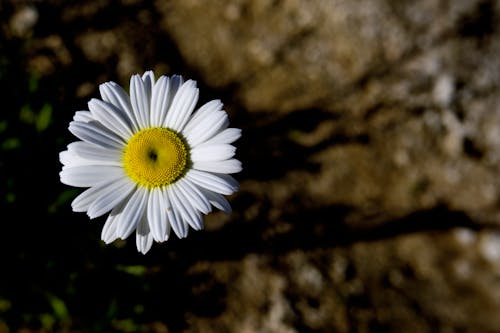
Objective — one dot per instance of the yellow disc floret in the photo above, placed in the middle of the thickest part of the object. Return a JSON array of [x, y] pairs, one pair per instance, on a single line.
[[155, 157]]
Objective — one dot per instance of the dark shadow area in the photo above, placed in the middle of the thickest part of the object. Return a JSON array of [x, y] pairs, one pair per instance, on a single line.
[[268, 149], [311, 229], [481, 23]]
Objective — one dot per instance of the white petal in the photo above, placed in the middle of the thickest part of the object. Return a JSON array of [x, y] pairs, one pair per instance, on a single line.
[[143, 237], [217, 200], [157, 216], [111, 117], [178, 226], [140, 99], [229, 180], [108, 233], [183, 205], [90, 175], [211, 182], [94, 153], [83, 116], [111, 194], [194, 195], [83, 201], [70, 159], [227, 166], [163, 94], [196, 222], [209, 152], [132, 213], [207, 129], [149, 78], [182, 106], [229, 135], [66, 157], [112, 93], [205, 111], [205, 123], [159, 101], [95, 133], [176, 81]]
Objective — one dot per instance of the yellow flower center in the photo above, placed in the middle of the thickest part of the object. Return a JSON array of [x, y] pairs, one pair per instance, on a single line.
[[155, 157]]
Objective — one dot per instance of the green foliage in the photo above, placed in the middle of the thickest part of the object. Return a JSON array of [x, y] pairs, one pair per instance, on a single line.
[[64, 198], [58, 306], [11, 143], [40, 120], [136, 270]]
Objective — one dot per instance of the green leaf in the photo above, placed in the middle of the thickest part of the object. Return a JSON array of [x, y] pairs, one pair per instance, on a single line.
[[136, 270], [58, 306], [11, 143], [43, 118], [3, 126], [4, 304], [62, 199]]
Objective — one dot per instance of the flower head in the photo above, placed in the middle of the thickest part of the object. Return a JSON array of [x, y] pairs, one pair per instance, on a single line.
[[149, 160]]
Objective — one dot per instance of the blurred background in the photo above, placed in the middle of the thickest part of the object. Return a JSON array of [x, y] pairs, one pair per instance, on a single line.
[[369, 199]]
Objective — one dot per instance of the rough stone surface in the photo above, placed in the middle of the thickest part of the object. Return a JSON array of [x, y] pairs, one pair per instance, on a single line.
[[400, 96], [420, 282]]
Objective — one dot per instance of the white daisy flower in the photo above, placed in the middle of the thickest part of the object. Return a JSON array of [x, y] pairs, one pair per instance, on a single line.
[[149, 160]]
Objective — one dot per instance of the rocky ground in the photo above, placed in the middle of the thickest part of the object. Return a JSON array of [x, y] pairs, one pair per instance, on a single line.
[[369, 199]]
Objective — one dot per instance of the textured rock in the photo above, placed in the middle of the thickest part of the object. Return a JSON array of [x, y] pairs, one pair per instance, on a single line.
[[413, 283], [373, 111], [407, 93], [297, 53]]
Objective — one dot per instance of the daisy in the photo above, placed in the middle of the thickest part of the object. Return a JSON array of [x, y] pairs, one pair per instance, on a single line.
[[149, 160]]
